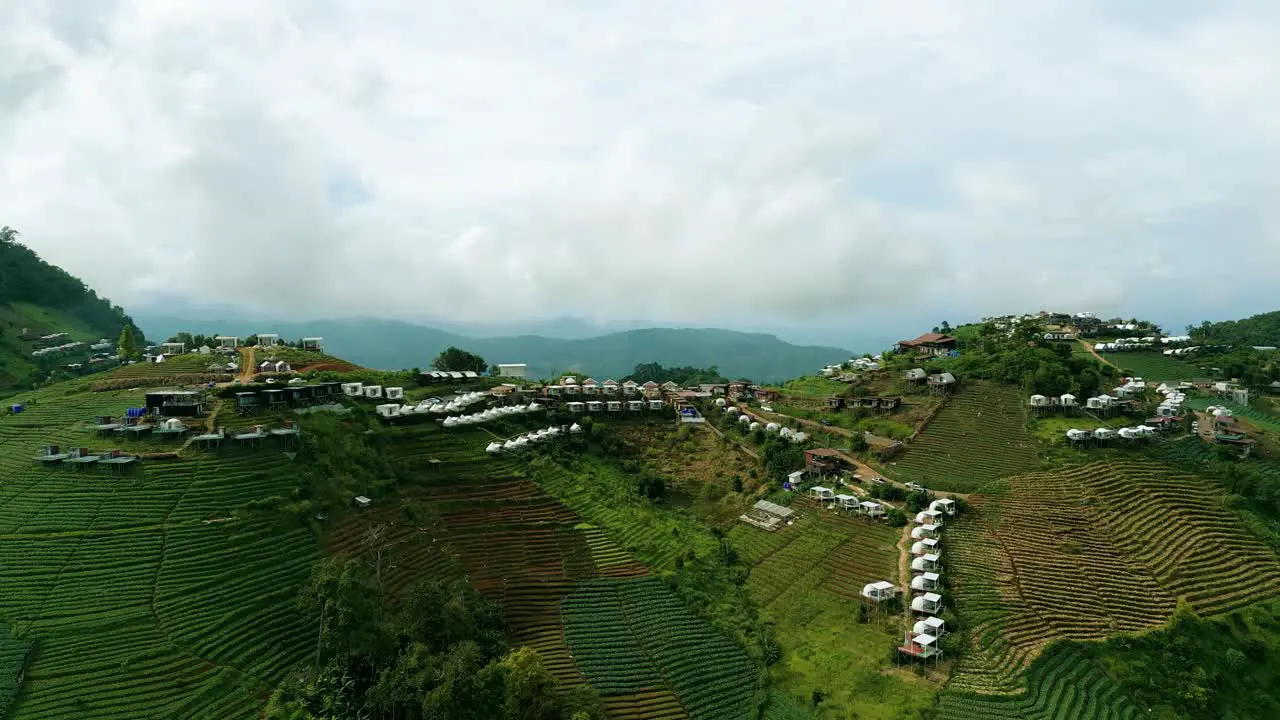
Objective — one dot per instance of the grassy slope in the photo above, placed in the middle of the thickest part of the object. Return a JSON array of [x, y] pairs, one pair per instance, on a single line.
[[17, 368], [1155, 366]]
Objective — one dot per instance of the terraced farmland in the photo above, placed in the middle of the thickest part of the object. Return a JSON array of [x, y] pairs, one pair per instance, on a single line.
[[635, 636], [1062, 684], [1155, 366], [979, 436], [1086, 552], [13, 657], [139, 607], [173, 365]]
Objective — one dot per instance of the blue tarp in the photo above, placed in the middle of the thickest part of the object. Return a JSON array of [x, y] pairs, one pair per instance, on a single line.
[[18, 408], [135, 412]]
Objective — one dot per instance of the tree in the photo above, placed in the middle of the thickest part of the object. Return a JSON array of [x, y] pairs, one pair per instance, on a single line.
[[127, 345], [8, 235], [531, 691], [457, 360]]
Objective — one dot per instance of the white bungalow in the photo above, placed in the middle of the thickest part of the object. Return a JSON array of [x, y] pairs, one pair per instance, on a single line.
[[657, 405], [630, 387], [879, 591], [871, 509], [266, 366], [925, 563], [927, 546], [921, 646], [268, 339], [945, 505], [1076, 435], [615, 406], [822, 494], [929, 517], [1039, 401], [594, 406], [795, 477], [609, 387], [388, 410], [352, 389], [1104, 434], [282, 366], [372, 391], [934, 626], [928, 603], [394, 393], [1067, 400], [227, 342], [847, 502], [921, 532], [314, 344], [575, 407], [927, 581], [173, 348], [635, 405], [590, 387]]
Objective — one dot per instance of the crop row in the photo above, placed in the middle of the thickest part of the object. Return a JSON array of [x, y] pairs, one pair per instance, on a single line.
[[632, 634]]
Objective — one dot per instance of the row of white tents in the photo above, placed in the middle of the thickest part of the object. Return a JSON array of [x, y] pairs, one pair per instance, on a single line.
[[493, 413], [773, 428], [1105, 436], [1140, 343], [428, 406], [537, 436]]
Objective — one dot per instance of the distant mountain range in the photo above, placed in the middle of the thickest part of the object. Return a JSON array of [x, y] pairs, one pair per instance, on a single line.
[[393, 344]]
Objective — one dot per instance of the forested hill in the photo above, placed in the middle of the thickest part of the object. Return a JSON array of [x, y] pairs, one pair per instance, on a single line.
[[392, 344], [1261, 329], [44, 299]]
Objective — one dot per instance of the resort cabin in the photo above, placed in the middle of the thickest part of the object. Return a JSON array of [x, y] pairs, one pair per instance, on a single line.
[[934, 626], [1039, 401], [174, 403], [275, 399], [879, 591], [942, 382], [630, 387], [388, 410], [944, 505], [925, 563], [314, 344], [575, 407], [767, 515], [609, 387], [822, 494], [266, 366], [670, 386], [926, 582], [268, 340], [651, 389], [575, 428], [170, 426], [934, 344], [822, 461], [51, 454], [928, 603], [394, 393], [615, 406], [921, 646], [362, 502], [871, 509], [513, 370], [594, 406], [929, 517], [1076, 435], [173, 348], [1067, 400], [246, 402], [847, 502], [570, 387], [916, 376], [921, 532], [795, 477], [927, 546], [657, 405], [590, 387], [227, 342], [372, 392], [1104, 434], [282, 367], [635, 405], [352, 389]]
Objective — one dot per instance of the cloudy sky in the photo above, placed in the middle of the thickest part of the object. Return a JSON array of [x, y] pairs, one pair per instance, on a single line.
[[739, 162]]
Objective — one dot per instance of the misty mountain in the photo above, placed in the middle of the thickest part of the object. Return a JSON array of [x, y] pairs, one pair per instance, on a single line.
[[395, 344]]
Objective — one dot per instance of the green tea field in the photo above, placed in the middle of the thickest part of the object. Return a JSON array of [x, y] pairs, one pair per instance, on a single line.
[[1155, 366]]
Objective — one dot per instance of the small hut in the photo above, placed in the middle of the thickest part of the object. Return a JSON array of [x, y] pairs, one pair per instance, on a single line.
[[929, 603], [879, 591], [927, 581], [822, 494]]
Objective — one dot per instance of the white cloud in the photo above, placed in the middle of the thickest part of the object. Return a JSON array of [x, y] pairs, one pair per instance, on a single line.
[[692, 162]]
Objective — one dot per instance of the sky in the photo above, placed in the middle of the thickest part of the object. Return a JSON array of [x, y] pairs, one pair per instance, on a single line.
[[808, 165]]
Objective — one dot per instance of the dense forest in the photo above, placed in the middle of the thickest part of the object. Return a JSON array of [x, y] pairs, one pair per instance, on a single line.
[[1261, 329], [24, 277], [682, 376]]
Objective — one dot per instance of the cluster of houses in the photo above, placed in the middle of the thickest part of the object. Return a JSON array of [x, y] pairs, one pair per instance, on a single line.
[[80, 457], [858, 364], [1226, 431]]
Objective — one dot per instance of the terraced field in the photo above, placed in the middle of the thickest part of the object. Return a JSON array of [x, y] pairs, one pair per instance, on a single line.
[[13, 657], [1155, 366], [979, 436], [138, 607], [173, 365], [1086, 552], [635, 636], [1062, 684]]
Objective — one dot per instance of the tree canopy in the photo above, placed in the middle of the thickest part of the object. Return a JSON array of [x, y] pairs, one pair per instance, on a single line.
[[644, 372], [1263, 329], [456, 359]]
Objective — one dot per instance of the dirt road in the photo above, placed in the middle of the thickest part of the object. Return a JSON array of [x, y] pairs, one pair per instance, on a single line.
[[246, 365], [1094, 353]]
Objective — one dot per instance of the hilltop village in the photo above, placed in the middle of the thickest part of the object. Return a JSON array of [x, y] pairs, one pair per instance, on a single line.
[[1018, 517]]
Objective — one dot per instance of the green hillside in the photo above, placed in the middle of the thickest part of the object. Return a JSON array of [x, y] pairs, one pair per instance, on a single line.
[[38, 299], [1262, 329], [392, 344]]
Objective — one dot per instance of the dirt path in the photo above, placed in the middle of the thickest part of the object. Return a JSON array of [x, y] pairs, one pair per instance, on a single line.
[[1094, 353], [246, 365], [740, 446], [904, 573]]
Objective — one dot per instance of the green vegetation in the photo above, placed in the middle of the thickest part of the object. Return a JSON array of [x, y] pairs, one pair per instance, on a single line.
[[455, 360], [1154, 366], [632, 634], [1062, 684], [813, 386], [980, 435], [682, 376], [1263, 329], [13, 658]]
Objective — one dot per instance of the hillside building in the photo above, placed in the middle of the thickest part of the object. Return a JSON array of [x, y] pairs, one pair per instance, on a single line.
[[933, 344]]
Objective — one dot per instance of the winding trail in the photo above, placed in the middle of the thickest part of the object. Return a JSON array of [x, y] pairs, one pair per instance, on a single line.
[[1094, 353], [246, 365]]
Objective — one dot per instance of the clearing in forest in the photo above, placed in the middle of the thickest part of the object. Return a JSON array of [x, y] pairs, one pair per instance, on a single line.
[[1086, 552], [979, 436], [699, 466]]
